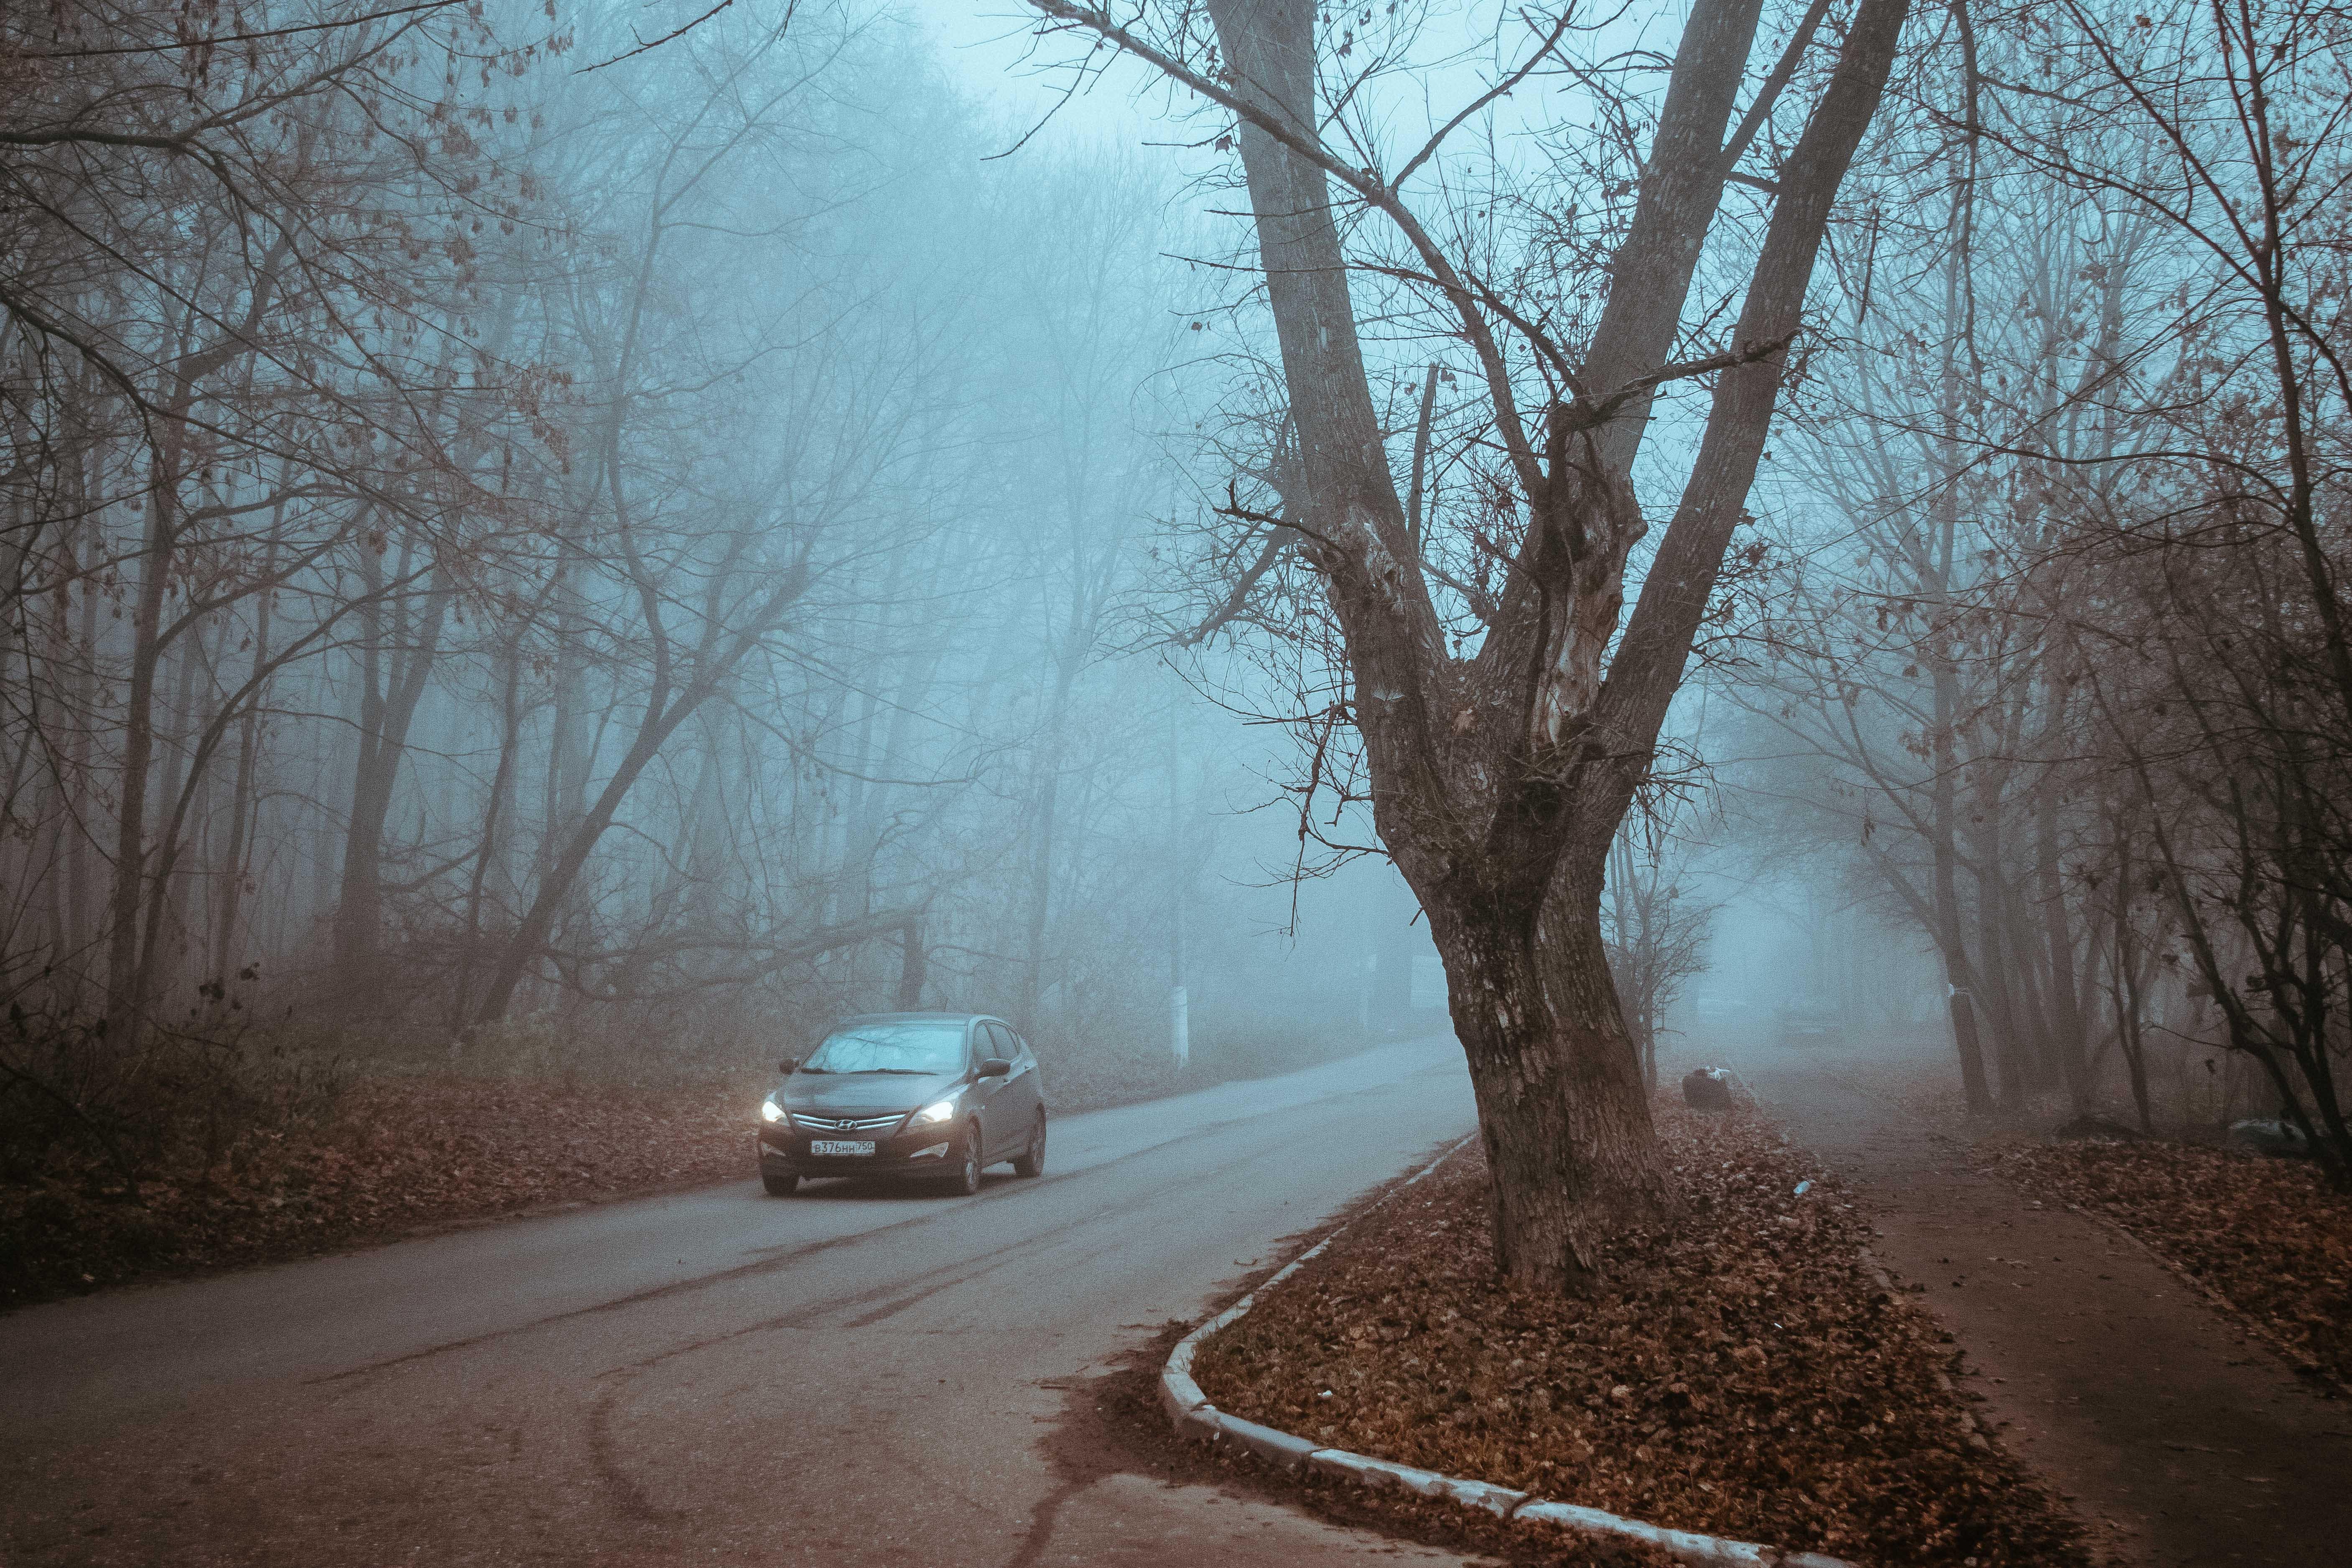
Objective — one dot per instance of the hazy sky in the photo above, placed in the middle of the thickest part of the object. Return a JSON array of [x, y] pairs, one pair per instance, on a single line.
[[982, 44]]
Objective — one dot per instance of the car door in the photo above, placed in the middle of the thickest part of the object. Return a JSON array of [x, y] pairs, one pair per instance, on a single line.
[[1033, 1080], [985, 1092], [1002, 1123], [1018, 1101]]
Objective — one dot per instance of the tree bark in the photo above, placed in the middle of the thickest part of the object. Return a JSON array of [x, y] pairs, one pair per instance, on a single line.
[[2058, 934], [1959, 977], [1044, 819], [126, 1000], [2124, 978], [1499, 780], [388, 702], [667, 707], [240, 811]]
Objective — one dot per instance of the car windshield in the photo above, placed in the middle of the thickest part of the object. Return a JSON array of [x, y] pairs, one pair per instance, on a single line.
[[919, 1046]]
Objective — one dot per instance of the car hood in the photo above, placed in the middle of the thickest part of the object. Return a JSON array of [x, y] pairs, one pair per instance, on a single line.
[[870, 1092]]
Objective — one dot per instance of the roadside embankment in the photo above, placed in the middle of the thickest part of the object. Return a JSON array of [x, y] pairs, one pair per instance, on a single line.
[[230, 1159], [381, 1158]]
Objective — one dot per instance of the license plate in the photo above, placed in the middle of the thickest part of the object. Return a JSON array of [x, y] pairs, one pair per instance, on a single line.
[[841, 1145]]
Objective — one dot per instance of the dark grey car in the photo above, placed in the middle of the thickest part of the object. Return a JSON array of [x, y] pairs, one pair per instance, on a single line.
[[937, 1096]]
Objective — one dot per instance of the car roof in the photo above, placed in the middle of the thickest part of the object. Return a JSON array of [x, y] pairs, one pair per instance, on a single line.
[[910, 1017]]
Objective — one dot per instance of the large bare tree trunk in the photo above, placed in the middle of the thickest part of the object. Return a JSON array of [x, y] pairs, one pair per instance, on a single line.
[[1499, 780]]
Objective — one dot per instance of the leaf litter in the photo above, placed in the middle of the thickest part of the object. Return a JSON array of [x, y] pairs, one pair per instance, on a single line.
[[2266, 1237], [390, 1156], [1743, 1372]]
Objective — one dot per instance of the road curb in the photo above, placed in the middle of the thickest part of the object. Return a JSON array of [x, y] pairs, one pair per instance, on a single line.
[[1191, 1414]]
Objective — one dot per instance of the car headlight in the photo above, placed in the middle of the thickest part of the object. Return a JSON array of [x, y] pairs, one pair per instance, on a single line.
[[938, 1111], [771, 1111]]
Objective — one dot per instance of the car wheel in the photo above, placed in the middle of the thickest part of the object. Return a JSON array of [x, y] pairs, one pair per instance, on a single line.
[[1030, 1161], [780, 1186], [966, 1177]]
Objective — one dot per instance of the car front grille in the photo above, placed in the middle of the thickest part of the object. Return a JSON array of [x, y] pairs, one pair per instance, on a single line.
[[847, 1124]]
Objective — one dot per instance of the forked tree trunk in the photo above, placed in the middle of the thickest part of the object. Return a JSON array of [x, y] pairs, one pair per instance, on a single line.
[[388, 705], [1498, 779], [490, 849]]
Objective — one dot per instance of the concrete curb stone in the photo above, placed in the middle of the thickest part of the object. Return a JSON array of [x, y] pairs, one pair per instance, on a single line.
[[1276, 1447], [1191, 1414]]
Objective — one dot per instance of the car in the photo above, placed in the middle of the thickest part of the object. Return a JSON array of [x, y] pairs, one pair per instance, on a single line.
[[935, 1096], [1810, 1024]]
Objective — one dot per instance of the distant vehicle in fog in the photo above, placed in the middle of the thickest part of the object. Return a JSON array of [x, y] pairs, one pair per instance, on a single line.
[[1810, 1024], [936, 1096]]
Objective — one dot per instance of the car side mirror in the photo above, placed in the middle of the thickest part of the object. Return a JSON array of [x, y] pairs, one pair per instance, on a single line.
[[994, 1067], [787, 1065]]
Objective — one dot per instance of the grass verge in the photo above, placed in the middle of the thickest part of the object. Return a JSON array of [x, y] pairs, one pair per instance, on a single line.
[[1743, 1373]]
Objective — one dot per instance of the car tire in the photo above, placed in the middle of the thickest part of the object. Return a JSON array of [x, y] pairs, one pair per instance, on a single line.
[[1031, 1160], [965, 1179], [778, 1186]]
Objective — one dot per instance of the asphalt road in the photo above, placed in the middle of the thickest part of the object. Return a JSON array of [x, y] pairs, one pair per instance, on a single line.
[[849, 1376]]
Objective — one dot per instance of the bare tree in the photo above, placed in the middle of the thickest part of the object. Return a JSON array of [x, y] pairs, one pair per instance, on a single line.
[[1657, 929], [1499, 776]]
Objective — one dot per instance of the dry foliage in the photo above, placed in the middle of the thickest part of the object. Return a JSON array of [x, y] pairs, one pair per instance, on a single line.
[[387, 1156], [1744, 1374], [2266, 1237]]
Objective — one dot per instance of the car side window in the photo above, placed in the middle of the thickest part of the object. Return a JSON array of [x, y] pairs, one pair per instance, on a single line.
[[998, 1045]]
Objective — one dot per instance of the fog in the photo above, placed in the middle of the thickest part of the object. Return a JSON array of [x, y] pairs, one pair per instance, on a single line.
[[605, 537]]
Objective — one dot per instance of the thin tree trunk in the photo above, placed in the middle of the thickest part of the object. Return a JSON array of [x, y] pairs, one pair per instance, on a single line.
[[388, 704], [2125, 981], [2058, 930], [80, 914], [241, 805], [167, 943], [493, 816], [127, 1003], [1960, 984], [1999, 997], [1043, 825], [665, 708], [126, 969]]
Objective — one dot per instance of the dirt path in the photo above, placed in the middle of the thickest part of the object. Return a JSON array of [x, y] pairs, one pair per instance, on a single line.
[[2179, 1440]]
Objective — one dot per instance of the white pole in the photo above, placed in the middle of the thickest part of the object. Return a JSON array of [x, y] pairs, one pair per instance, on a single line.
[[1180, 1023]]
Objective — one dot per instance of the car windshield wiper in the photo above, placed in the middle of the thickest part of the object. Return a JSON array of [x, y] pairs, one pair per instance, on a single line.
[[911, 1073]]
